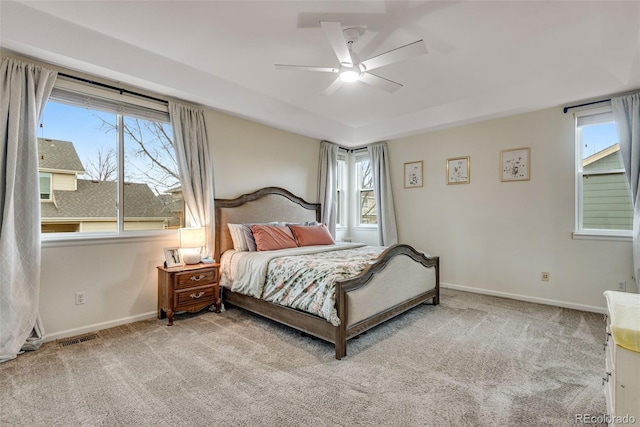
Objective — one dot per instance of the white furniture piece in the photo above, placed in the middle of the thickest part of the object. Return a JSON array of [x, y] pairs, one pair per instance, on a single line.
[[622, 347]]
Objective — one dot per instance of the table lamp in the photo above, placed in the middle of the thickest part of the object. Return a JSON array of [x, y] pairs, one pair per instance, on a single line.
[[192, 239]]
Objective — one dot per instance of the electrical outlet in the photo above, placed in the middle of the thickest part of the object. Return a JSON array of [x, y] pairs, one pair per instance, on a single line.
[[545, 276], [622, 286], [79, 298]]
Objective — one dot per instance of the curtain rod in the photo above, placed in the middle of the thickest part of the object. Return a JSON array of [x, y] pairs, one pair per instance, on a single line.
[[583, 105], [118, 89]]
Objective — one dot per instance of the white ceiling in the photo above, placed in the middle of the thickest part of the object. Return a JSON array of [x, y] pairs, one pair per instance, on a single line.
[[485, 60]]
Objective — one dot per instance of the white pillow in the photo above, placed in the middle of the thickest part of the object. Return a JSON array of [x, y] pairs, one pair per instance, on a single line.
[[238, 237]]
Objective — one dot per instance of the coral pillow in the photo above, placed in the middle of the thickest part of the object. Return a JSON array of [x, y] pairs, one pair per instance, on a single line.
[[272, 237], [312, 235]]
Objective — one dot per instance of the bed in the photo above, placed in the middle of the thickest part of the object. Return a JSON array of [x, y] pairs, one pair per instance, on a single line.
[[397, 280]]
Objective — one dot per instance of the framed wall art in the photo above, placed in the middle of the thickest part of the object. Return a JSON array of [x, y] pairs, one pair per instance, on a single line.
[[459, 170], [515, 164], [413, 174]]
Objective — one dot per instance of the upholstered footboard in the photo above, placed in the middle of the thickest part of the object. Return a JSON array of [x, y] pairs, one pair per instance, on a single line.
[[399, 280]]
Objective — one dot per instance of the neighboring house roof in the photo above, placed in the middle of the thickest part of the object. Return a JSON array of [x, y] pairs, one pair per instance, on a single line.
[[97, 199], [601, 154], [58, 155]]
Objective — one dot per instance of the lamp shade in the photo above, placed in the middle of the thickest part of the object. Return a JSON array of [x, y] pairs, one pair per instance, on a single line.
[[192, 237]]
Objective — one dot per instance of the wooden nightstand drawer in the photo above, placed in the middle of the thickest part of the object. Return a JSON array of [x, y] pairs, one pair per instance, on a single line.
[[191, 279], [196, 296], [187, 288]]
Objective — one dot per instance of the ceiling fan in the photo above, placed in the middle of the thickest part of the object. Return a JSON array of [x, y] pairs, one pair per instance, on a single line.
[[351, 69]]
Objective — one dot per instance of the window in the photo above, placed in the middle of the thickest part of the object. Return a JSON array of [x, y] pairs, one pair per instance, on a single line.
[[603, 198], [366, 210], [45, 186], [112, 161]]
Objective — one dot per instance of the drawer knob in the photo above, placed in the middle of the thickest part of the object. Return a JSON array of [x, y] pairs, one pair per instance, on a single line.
[[197, 279], [198, 295]]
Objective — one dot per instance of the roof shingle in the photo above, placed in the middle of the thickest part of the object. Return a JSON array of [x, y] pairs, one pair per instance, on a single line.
[[58, 155], [97, 199]]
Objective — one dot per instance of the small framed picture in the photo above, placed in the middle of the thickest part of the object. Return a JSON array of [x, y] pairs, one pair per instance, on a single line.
[[172, 257], [515, 164], [459, 170], [413, 174]]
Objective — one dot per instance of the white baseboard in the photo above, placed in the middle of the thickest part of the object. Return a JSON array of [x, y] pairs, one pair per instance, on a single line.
[[519, 297], [98, 326]]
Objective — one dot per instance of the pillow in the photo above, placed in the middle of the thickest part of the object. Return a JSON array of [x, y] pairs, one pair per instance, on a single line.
[[238, 237], [312, 235], [248, 237], [272, 237], [242, 236]]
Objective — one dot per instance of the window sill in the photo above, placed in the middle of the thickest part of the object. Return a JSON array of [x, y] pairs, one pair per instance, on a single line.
[[54, 240], [613, 236]]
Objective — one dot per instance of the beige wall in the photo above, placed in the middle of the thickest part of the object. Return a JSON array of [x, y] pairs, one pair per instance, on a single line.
[[64, 181], [248, 156], [496, 237]]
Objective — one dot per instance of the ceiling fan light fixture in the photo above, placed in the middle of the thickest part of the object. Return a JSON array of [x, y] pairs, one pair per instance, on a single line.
[[351, 69], [348, 76]]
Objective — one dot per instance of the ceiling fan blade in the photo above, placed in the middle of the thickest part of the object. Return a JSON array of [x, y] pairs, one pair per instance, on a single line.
[[333, 86], [306, 68], [396, 55], [380, 82], [333, 31]]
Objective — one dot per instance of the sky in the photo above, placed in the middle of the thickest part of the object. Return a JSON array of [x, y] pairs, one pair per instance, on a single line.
[[86, 130], [598, 137], [80, 126]]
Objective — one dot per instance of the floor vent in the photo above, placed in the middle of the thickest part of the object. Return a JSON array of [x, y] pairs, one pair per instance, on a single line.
[[76, 340]]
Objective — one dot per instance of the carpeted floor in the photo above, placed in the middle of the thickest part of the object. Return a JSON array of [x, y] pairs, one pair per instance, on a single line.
[[472, 361]]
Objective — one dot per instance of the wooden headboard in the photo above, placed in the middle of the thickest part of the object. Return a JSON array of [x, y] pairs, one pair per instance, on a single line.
[[265, 205]]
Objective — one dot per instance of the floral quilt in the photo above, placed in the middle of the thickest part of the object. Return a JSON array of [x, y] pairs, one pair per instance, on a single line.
[[307, 282]]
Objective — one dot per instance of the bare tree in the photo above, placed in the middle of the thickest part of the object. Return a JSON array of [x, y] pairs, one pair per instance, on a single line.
[[104, 166], [367, 200], [149, 153], [150, 145]]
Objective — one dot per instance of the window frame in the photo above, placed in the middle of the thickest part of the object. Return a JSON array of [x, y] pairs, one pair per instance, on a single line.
[[591, 233], [356, 214], [50, 176], [126, 102]]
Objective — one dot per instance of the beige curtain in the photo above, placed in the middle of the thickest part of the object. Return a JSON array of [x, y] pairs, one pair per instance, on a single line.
[[327, 184], [387, 229], [24, 92], [626, 114], [194, 165]]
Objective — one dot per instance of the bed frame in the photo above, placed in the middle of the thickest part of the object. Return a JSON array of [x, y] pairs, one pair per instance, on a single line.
[[400, 279]]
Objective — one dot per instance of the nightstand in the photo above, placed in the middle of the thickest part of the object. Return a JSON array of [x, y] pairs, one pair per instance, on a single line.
[[187, 288]]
